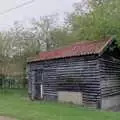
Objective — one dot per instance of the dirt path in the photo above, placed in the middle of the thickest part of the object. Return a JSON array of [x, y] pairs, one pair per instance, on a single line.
[[6, 118]]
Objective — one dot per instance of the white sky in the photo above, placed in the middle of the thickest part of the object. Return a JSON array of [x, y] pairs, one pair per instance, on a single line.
[[36, 9]]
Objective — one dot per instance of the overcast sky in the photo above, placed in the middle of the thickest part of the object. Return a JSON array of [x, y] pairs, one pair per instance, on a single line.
[[35, 9]]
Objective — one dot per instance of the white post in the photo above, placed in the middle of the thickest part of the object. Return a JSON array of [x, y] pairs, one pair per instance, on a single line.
[[41, 86]]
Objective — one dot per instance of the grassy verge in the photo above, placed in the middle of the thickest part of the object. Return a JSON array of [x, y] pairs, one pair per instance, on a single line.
[[15, 103]]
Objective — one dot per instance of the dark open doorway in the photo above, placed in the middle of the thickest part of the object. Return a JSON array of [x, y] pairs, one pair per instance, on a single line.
[[38, 85]]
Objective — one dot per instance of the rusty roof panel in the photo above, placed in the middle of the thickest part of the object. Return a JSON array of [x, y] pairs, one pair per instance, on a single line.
[[77, 49]]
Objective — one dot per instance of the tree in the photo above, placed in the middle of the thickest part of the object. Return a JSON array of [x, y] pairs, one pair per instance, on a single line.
[[96, 3], [42, 30], [61, 37], [100, 22]]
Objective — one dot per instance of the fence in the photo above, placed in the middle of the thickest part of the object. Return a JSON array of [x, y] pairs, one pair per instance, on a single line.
[[12, 82]]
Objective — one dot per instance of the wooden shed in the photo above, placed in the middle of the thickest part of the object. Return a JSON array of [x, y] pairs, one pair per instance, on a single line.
[[86, 73]]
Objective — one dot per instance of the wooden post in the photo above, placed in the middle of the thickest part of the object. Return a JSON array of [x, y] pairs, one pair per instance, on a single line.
[[33, 85]]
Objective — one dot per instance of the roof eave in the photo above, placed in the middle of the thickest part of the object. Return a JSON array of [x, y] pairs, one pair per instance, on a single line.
[[32, 61], [104, 48]]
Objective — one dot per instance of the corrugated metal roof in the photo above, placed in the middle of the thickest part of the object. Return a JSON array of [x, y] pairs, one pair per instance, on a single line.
[[77, 49]]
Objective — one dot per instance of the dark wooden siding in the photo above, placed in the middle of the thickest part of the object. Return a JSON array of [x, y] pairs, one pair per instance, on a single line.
[[85, 70], [110, 76]]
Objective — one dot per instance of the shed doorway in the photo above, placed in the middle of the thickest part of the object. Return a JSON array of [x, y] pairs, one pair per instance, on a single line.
[[38, 84]]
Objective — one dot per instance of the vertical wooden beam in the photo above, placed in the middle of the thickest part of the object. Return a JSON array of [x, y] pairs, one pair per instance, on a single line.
[[33, 85]]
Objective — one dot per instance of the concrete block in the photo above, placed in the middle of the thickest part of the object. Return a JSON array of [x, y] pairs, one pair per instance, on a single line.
[[70, 97]]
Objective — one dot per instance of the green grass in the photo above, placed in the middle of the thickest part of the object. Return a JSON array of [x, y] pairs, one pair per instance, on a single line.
[[14, 103]]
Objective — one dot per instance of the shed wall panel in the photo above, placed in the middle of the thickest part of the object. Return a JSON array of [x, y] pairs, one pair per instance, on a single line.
[[110, 82], [84, 70]]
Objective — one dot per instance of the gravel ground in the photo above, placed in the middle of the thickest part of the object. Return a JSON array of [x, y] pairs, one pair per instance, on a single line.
[[6, 118]]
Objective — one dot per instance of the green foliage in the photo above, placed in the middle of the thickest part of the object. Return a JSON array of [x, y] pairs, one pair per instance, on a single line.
[[2, 77], [99, 22], [61, 37]]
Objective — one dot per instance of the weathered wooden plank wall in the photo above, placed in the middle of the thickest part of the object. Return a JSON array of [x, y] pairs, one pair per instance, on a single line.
[[110, 82], [84, 70], [110, 76]]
